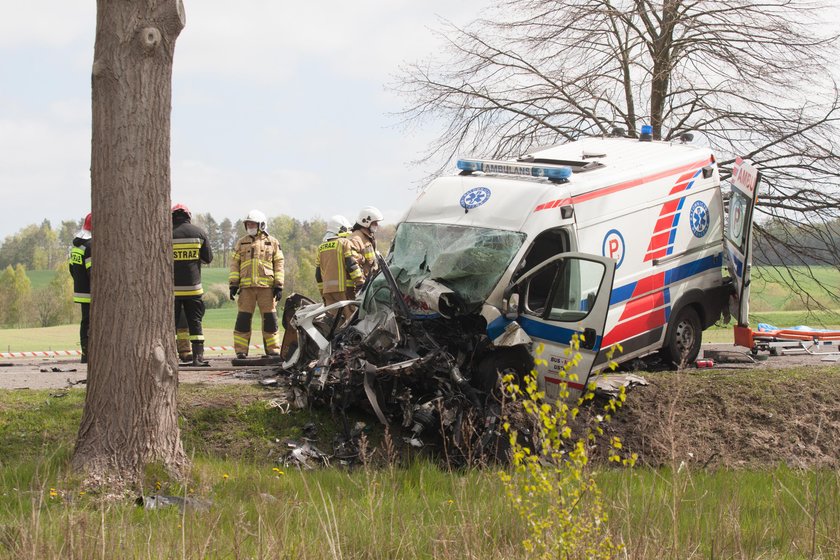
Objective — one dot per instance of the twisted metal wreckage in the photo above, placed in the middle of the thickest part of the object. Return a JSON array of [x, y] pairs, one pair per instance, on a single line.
[[434, 377]]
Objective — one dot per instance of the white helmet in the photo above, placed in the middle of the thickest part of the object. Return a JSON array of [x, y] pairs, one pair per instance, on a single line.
[[368, 215], [337, 224], [258, 218]]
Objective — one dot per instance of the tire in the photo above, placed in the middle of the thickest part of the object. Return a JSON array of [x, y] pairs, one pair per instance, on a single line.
[[682, 343], [495, 365]]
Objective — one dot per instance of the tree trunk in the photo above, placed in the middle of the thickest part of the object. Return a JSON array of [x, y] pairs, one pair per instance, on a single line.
[[130, 417], [662, 67]]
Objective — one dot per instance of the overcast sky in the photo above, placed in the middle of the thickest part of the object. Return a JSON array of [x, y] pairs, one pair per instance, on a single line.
[[280, 106]]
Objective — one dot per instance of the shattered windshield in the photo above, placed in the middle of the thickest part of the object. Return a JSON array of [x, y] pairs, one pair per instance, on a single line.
[[467, 260]]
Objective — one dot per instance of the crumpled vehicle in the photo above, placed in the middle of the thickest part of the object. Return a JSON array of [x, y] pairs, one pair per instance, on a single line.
[[419, 359]]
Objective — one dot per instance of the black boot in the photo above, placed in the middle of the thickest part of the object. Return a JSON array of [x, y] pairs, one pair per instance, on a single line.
[[198, 354]]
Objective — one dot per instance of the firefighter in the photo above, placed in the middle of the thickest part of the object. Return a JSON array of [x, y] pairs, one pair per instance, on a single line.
[[363, 239], [79, 262], [336, 271], [256, 273], [191, 249]]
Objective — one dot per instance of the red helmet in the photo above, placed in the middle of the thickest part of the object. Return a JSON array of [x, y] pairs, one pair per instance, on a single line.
[[87, 226], [182, 208]]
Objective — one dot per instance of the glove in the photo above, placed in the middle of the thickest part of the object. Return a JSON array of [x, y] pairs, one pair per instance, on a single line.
[[233, 290], [278, 293]]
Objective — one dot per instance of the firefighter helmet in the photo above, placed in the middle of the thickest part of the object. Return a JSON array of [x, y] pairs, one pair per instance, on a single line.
[[258, 218], [183, 209], [86, 232], [338, 224], [368, 215]]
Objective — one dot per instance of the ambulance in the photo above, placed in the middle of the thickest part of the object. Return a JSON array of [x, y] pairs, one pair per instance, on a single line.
[[622, 242]]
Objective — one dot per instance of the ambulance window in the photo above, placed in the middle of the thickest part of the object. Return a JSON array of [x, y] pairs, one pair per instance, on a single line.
[[576, 288], [546, 245], [539, 289]]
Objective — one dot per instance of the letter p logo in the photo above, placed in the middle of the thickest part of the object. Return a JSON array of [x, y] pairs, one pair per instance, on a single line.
[[613, 246]]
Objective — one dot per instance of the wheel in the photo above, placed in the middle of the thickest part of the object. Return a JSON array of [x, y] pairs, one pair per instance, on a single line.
[[497, 364], [682, 343]]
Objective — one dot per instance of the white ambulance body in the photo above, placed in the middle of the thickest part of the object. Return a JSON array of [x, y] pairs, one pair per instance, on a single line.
[[612, 239]]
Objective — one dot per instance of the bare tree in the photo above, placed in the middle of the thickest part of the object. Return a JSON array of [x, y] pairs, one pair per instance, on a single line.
[[755, 77], [130, 416]]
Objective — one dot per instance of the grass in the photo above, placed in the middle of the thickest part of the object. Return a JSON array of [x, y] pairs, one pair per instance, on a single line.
[[218, 331], [262, 509], [774, 513]]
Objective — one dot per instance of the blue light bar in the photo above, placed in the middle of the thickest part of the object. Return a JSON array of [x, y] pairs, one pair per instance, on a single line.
[[552, 172], [647, 129]]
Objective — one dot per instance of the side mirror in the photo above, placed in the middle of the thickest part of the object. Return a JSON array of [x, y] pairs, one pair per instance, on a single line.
[[512, 307]]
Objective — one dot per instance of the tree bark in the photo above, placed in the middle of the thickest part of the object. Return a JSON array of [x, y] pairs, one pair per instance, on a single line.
[[130, 416]]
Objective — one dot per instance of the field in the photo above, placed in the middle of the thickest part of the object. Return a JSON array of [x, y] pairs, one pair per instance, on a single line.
[[770, 303], [248, 505]]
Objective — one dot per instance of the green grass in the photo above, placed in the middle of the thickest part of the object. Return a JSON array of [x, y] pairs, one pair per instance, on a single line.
[[774, 513], [218, 331], [40, 278], [261, 509]]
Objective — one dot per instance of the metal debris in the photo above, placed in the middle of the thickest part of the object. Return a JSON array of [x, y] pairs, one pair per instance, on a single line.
[[305, 455], [159, 502], [609, 385]]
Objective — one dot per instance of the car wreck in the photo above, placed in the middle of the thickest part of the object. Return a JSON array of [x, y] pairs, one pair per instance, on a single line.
[[605, 242], [416, 354]]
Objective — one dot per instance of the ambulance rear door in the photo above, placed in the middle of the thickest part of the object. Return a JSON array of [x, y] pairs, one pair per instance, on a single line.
[[737, 239]]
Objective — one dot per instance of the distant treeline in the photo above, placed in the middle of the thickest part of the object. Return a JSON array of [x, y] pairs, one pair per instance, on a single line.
[[40, 247], [783, 243]]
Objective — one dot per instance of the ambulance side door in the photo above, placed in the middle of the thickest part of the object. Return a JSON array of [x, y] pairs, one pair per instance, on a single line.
[[737, 239], [566, 295]]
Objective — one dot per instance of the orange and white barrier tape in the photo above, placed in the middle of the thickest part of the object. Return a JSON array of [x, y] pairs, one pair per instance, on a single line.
[[59, 353]]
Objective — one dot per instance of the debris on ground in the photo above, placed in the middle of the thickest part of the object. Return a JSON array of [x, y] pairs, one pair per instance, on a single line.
[[304, 455], [160, 502], [608, 386]]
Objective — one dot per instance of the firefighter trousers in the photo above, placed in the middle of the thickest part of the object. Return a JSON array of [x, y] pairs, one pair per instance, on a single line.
[[84, 329], [192, 308], [182, 336], [248, 299], [335, 297]]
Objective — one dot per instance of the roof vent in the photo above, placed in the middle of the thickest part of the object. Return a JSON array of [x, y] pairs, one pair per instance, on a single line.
[[589, 154]]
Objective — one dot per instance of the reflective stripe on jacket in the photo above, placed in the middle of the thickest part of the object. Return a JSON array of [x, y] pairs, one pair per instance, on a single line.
[[335, 268], [79, 262], [190, 248], [364, 247], [257, 262]]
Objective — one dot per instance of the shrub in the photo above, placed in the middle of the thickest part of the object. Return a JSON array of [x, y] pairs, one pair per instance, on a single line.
[[551, 487]]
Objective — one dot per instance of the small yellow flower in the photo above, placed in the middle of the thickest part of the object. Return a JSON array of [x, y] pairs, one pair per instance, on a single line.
[[157, 485], [278, 471], [53, 493], [225, 476], [82, 492]]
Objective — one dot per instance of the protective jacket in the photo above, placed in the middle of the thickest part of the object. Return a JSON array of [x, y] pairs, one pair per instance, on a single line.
[[257, 262], [190, 248], [79, 263], [364, 247], [335, 268]]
